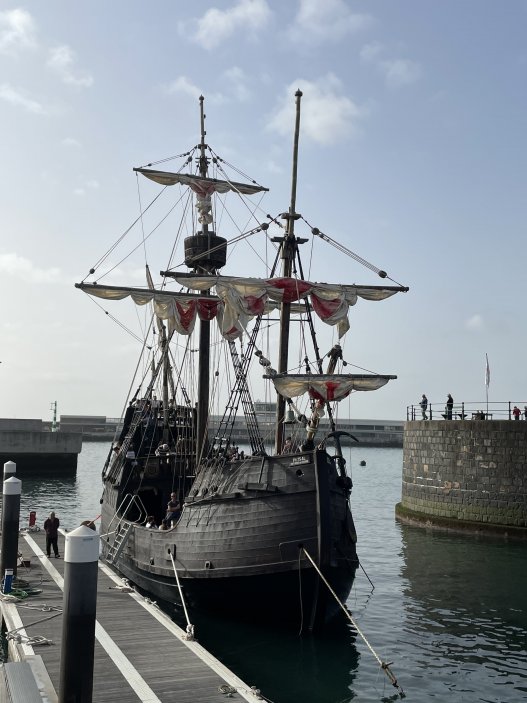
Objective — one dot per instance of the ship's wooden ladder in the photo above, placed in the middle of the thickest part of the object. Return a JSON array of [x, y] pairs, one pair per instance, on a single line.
[[122, 533]]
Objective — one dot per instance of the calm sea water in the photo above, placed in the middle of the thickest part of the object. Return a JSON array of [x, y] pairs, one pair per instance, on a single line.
[[449, 611]]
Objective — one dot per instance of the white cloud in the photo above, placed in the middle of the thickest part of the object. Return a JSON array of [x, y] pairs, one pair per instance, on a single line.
[[185, 86], [397, 72], [17, 31], [475, 322], [371, 51], [273, 166], [327, 115], [326, 20], [88, 185], [71, 142], [236, 81], [25, 270], [16, 97], [62, 60], [216, 26]]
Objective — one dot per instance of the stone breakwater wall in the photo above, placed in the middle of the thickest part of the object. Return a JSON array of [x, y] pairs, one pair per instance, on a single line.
[[465, 475]]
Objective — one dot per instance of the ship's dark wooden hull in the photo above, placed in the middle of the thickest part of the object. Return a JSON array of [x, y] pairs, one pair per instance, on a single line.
[[238, 545]]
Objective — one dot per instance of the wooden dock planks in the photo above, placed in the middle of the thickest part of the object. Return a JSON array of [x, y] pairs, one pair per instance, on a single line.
[[140, 654]]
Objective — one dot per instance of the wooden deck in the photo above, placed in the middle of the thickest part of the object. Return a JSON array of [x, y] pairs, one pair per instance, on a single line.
[[140, 653]]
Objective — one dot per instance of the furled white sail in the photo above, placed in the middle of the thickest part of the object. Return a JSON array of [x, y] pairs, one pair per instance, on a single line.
[[244, 297], [202, 187], [327, 387], [238, 300], [180, 310], [200, 184]]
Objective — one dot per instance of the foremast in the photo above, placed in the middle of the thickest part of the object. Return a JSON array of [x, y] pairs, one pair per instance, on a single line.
[[289, 246]]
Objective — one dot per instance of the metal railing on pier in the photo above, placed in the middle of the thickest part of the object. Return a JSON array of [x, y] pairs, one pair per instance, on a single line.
[[505, 410]]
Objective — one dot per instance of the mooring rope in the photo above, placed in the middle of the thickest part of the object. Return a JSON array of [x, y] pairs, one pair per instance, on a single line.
[[190, 628], [365, 574], [35, 640], [385, 666], [228, 691]]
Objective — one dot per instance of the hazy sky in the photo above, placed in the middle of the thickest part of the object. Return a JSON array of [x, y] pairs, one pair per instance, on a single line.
[[413, 154]]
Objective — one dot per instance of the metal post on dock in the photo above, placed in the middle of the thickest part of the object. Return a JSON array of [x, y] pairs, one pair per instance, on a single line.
[[10, 524], [81, 557], [9, 469]]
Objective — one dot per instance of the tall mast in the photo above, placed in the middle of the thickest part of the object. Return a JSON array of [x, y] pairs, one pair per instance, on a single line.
[[289, 247], [204, 329]]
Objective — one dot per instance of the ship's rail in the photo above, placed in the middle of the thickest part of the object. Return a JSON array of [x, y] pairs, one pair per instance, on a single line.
[[473, 410]]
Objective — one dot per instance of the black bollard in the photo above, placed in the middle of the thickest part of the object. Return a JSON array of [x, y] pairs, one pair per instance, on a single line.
[[9, 469], [10, 525], [81, 556]]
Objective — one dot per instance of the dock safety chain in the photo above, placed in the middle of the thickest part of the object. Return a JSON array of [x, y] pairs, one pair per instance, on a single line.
[[385, 666], [190, 628]]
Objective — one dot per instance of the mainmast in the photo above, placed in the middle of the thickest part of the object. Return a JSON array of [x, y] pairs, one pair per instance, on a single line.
[[201, 259], [204, 328], [288, 247]]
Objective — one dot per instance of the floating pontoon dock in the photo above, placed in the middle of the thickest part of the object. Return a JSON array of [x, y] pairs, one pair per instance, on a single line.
[[140, 653]]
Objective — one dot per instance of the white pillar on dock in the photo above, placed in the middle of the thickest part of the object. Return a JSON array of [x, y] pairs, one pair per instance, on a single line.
[[81, 556], [10, 524], [9, 470]]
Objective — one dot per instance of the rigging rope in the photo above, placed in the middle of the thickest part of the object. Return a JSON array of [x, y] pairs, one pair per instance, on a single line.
[[171, 158], [115, 244], [340, 247]]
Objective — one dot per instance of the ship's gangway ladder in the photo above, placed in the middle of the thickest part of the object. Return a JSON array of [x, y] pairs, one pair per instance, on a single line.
[[123, 530], [114, 549]]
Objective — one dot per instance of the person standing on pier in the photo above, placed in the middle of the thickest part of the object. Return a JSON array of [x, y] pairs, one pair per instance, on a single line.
[[516, 412], [51, 527], [449, 406], [424, 406]]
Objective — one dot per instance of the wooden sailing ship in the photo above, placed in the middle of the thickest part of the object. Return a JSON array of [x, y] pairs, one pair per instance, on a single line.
[[238, 539]]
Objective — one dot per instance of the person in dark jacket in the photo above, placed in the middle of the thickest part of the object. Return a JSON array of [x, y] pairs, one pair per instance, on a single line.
[[51, 527], [424, 405], [449, 406]]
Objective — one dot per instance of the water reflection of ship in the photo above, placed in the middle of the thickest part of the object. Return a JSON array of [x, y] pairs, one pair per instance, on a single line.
[[465, 599], [286, 668]]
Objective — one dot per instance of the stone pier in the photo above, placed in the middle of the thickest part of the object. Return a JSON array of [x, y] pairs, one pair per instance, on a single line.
[[466, 475]]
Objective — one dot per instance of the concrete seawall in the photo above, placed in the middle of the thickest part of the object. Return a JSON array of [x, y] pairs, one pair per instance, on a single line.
[[466, 475], [40, 451]]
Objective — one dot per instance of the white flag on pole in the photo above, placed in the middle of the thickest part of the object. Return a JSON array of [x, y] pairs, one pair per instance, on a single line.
[[487, 372]]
